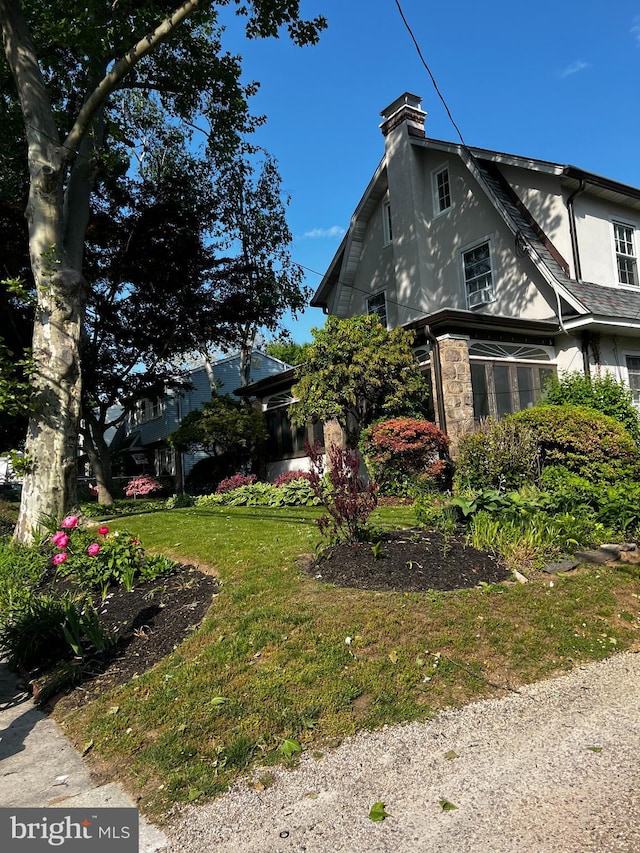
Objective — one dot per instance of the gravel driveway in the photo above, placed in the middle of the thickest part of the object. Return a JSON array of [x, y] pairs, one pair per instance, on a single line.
[[554, 767]]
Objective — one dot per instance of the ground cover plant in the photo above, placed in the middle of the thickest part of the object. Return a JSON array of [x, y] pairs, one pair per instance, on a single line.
[[285, 657]]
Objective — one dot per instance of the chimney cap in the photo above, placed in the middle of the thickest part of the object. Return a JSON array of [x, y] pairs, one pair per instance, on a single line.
[[404, 110], [405, 100]]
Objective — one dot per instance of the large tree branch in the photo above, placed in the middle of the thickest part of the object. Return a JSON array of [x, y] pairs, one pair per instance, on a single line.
[[112, 80], [23, 61]]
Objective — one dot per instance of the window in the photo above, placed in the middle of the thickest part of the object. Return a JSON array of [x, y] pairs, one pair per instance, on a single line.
[[500, 388], [625, 253], [633, 369], [386, 223], [478, 276], [378, 305], [146, 410], [441, 190]]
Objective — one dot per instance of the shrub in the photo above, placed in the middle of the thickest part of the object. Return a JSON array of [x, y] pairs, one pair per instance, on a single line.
[[21, 570], [498, 454], [291, 477], [296, 493], [405, 454], [347, 499], [230, 484], [99, 559], [604, 393], [46, 628], [179, 501], [583, 440], [142, 486]]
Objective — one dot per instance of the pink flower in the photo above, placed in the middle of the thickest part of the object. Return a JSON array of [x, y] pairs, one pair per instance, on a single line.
[[70, 521], [103, 530], [93, 550], [60, 558], [60, 539]]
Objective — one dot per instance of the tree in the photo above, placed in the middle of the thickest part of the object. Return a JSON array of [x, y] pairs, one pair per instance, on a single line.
[[229, 431], [286, 350], [262, 281], [66, 62], [355, 371]]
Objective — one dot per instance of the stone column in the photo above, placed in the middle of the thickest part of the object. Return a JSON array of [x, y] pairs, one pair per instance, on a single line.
[[333, 434], [457, 394]]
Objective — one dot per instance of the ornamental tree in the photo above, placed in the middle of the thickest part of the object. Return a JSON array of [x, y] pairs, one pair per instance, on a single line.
[[68, 69], [401, 452], [225, 429], [356, 371]]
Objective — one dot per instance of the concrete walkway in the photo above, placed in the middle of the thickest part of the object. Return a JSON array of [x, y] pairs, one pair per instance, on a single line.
[[39, 767]]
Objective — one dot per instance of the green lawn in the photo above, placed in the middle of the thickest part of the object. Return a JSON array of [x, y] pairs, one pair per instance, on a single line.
[[282, 656]]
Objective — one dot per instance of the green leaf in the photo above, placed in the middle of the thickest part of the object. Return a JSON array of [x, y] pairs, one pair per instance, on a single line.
[[378, 812], [289, 746], [193, 794], [595, 748], [450, 755], [218, 700], [446, 805]]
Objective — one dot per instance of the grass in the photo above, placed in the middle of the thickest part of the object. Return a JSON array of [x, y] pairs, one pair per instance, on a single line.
[[282, 656]]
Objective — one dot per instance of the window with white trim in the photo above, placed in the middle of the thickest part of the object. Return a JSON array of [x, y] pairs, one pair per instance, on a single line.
[[441, 190], [633, 371], [146, 410], [386, 223], [478, 275], [378, 305], [627, 263]]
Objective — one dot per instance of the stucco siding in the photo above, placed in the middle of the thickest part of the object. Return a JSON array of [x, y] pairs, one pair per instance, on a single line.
[[594, 218]]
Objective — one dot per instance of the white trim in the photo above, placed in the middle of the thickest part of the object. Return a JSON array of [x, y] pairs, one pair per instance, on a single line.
[[435, 198], [370, 313], [461, 253], [625, 223], [387, 225]]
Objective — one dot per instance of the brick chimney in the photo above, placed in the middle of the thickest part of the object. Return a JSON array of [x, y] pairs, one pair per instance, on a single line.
[[406, 108]]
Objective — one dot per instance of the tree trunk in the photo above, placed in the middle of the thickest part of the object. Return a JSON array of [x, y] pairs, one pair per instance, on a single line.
[[99, 455]]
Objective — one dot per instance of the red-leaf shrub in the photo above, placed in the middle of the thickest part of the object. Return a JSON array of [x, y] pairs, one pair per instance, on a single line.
[[343, 493], [235, 482], [143, 485], [404, 451], [290, 476]]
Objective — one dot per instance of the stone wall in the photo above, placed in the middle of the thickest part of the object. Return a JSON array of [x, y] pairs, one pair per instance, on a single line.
[[457, 394]]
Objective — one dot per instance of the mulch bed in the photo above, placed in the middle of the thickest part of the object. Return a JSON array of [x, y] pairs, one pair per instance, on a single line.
[[150, 621], [414, 560]]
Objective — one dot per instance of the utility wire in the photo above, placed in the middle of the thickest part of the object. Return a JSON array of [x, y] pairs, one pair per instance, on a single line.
[[430, 73]]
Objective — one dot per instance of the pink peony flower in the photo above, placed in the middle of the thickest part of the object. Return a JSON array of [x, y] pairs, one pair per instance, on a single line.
[[60, 539], [93, 550], [70, 521], [103, 530], [60, 558]]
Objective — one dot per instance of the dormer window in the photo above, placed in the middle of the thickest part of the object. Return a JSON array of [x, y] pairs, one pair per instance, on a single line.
[[627, 263], [386, 223]]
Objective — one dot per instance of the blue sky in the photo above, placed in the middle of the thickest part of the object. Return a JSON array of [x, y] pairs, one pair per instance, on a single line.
[[555, 81]]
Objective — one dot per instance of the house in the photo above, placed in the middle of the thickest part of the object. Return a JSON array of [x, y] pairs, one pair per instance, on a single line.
[[142, 440], [508, 268]]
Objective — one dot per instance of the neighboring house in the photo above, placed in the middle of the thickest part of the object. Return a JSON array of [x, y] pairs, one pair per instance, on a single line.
[[508, 268], [143, 437]]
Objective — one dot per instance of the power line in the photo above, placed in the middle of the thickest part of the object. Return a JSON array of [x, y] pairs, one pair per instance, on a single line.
[[430, 73]]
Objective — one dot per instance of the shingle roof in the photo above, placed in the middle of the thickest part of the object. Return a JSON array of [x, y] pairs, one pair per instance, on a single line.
[[606, 301]]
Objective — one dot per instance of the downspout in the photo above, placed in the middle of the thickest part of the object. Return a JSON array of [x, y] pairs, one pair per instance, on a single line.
[[437, 376], [572, 229]]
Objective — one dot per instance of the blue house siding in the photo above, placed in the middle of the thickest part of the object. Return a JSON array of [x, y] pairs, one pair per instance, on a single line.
[[150, 436]]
